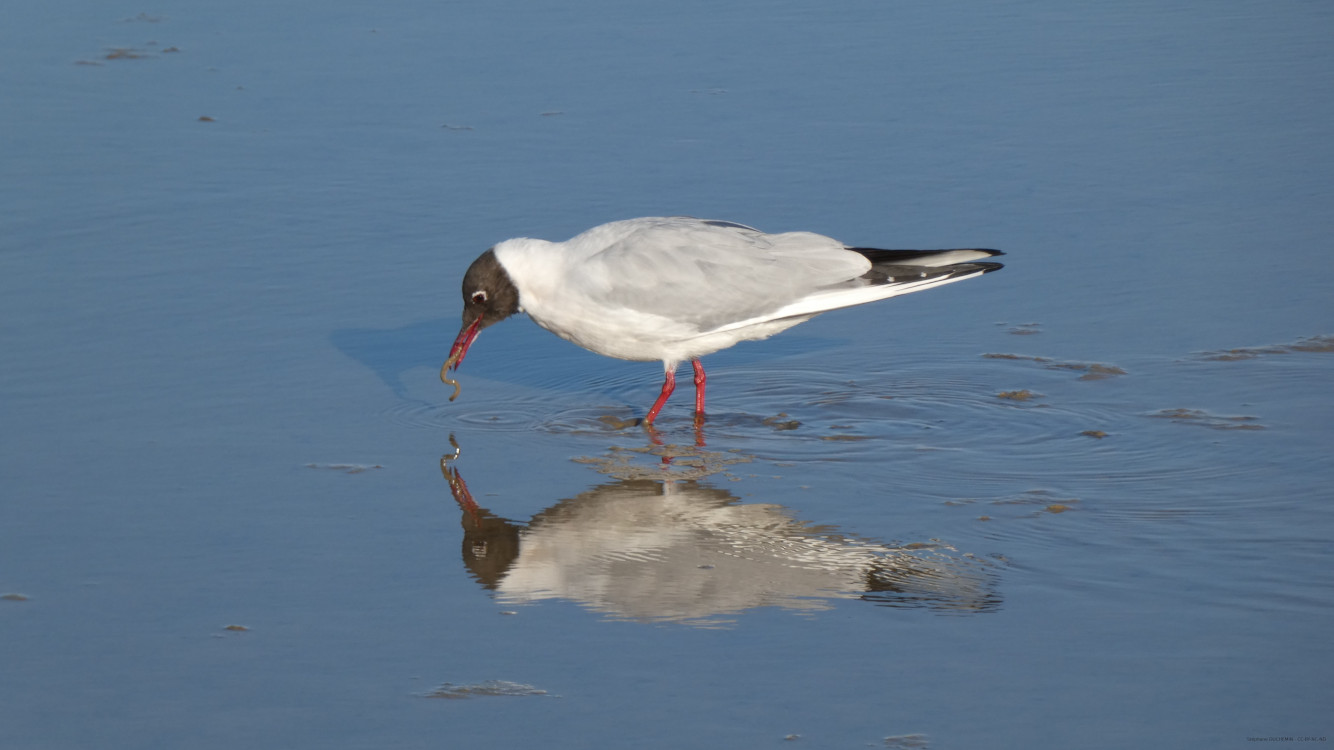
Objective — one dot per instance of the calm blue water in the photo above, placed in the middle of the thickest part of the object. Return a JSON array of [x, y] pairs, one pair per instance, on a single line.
[[224, 520]]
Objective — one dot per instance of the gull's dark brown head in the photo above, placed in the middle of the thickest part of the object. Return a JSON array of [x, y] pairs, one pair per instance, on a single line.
[[489, 296]]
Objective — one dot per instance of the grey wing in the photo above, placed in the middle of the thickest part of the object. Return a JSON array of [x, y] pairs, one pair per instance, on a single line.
[[709, 274]]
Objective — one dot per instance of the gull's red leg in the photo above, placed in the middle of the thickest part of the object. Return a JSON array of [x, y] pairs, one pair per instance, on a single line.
[[699, 387], [668, 385]]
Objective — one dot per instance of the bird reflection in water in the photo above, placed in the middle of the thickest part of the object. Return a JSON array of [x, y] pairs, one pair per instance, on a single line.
[[683, 551]]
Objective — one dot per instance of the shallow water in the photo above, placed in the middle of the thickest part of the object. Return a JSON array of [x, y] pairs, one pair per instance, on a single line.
[[1081, 502]]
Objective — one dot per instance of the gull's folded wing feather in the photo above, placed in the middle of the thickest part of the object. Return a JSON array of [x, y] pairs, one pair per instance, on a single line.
[[705, 274]]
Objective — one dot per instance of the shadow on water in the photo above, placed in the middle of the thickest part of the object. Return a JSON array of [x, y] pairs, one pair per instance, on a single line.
[[680, 550], [391, 352]]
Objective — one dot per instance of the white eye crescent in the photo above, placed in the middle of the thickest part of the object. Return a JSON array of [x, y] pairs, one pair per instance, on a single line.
[[479, 297]]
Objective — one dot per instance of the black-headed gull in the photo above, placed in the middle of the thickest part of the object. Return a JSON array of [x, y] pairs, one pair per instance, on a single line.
[[678, 288]]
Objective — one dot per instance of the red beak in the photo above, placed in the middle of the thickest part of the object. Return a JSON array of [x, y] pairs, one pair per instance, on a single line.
[[461, 344]]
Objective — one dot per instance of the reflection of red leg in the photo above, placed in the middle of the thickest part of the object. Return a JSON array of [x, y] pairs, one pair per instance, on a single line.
[[699, 387], [668, 385]]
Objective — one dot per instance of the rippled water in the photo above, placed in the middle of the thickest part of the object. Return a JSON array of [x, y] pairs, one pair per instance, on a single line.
[[1081, 502]]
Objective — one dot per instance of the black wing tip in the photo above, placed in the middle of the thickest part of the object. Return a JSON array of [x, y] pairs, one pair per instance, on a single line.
[[903, 274], [971, 267], [892, 263]]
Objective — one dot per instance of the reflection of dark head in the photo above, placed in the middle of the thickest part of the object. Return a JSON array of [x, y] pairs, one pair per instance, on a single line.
[[490, 546]]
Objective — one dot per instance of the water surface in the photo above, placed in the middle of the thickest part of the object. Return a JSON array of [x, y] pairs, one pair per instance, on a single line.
[[1081, 502]]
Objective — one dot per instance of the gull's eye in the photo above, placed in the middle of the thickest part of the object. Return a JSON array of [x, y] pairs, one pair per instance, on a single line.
[[478, 297]]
